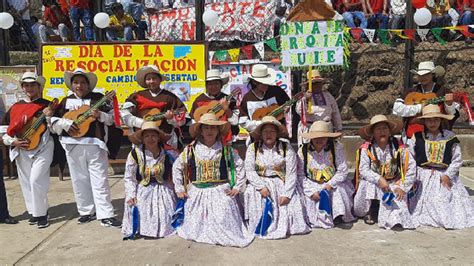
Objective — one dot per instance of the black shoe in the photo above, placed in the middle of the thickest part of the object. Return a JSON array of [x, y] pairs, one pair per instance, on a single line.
[[86, 218], [43, 222], [33, 220], [111, 222], [8, 220]]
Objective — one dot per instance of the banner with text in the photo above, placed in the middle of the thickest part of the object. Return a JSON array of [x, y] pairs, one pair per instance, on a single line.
[[312, 43], [250, 21], [182, 65]]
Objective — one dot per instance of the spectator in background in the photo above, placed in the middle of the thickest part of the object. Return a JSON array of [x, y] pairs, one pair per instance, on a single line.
[[20, 10], [355, 9], [79, 11], [465, 9], [378, 14], [397, 13], [55, 22], [136, 9], [439, 12], [121, 24], [35, 25]]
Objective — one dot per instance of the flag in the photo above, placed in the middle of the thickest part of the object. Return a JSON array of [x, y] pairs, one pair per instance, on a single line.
[[266, 219]]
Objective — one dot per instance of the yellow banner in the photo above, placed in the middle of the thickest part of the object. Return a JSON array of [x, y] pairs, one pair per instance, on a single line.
[[115, 64]]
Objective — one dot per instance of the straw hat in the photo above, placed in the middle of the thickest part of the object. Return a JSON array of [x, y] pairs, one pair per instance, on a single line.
[[211, 120], [428, 67], [269, 120], [91, 77], [395, 126], [215, 74], [320, 129], [142, 72], [315, 77], [29, 77], [262, 74], [433, 111], [137, 137]]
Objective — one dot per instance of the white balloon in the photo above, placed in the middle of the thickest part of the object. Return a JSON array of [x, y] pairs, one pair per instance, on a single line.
[[6, 20], [101, 20], [422, 16], [210, 18]]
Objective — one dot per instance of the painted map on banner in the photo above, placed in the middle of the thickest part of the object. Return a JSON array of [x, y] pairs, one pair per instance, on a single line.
[[312, 43], [116, 64], [238, 78], [250, 21]]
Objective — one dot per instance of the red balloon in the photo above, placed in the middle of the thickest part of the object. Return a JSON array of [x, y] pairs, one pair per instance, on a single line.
[[418, 3]]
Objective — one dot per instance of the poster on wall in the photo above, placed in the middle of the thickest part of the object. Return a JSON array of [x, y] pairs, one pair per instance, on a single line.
[[238, 78], [116, 64], [10, 89]]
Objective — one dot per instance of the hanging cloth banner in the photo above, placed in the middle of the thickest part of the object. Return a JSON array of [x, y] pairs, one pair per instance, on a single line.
[[316, 43], [221, 55], [383, 35], [234, 54], [211, 55], [272, 44], [260, 47], [370, 33], [437, 34], [357, 34], [247, 50], [422, 33]]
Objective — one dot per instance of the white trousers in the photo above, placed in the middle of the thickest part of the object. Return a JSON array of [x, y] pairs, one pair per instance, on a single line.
[[88, 168], [34, 177]]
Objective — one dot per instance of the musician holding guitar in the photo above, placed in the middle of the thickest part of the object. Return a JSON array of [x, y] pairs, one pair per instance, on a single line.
[[32, 146], [216, 102], [81, 121], [151, 101], [263, 94], [427, 88], [319, 105]]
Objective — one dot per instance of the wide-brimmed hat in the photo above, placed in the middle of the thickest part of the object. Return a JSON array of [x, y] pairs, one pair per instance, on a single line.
[[215, 74], [315, 77], [142, 72], [29, 77], [395, 126], [263, 74], [270, 120], [428, 67], [137, 137], [91, 77], [320, 129], [211, 120], [433, 111]]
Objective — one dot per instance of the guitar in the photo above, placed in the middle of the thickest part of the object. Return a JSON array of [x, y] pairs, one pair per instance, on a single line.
[[33, 130], [214, 107], [156, 115], [430, 98], [82, 117], [275, 110]]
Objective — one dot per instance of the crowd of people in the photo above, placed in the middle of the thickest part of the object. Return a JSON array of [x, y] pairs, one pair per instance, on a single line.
[[206, 192], [61, 19]]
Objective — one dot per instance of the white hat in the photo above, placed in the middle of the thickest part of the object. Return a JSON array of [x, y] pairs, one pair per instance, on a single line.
[[142, 72], [428, 67], [315, 77], [212, 120], [320, 129], [91, 77], [433, 111], [215, 74], [367, 131], [32, 77], [137, 137], [263, 74], [270, 120]]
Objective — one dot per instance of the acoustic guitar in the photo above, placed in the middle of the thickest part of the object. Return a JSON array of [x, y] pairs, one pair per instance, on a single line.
[[214, 107], [276, 110], [156, 115], [83, 118], [413, 98], [34, 129]]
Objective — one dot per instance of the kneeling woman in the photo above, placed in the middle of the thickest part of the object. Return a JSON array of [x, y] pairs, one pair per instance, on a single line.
[[210, 175], [148, 185], [386, 172], [270, 165], [323, 168], [442, 200]]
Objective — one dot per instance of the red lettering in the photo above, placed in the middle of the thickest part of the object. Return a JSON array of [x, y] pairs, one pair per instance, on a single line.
[[233, 72], [118, 51], [83, 51], [119, 67], [69, 65], [183, 13], [91, 66], [127, 50], [103, 66], [259, 10], [59, 66], [98, 52], [188, 32], [165, 65], [81, 64], [181, 65], [192, 65], [244, 6]]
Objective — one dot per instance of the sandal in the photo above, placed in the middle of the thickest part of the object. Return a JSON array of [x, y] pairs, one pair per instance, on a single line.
[[369, 220]]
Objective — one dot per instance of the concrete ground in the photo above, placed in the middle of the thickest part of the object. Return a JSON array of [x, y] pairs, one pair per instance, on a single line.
[[66, 242]]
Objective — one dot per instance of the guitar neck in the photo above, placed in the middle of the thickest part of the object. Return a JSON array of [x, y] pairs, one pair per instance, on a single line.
[[436, 100], [281, 109], [87, 113], [160, 116]]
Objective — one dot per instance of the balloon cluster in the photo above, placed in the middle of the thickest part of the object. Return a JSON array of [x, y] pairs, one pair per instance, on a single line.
[[422, 14], [6, 20]]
